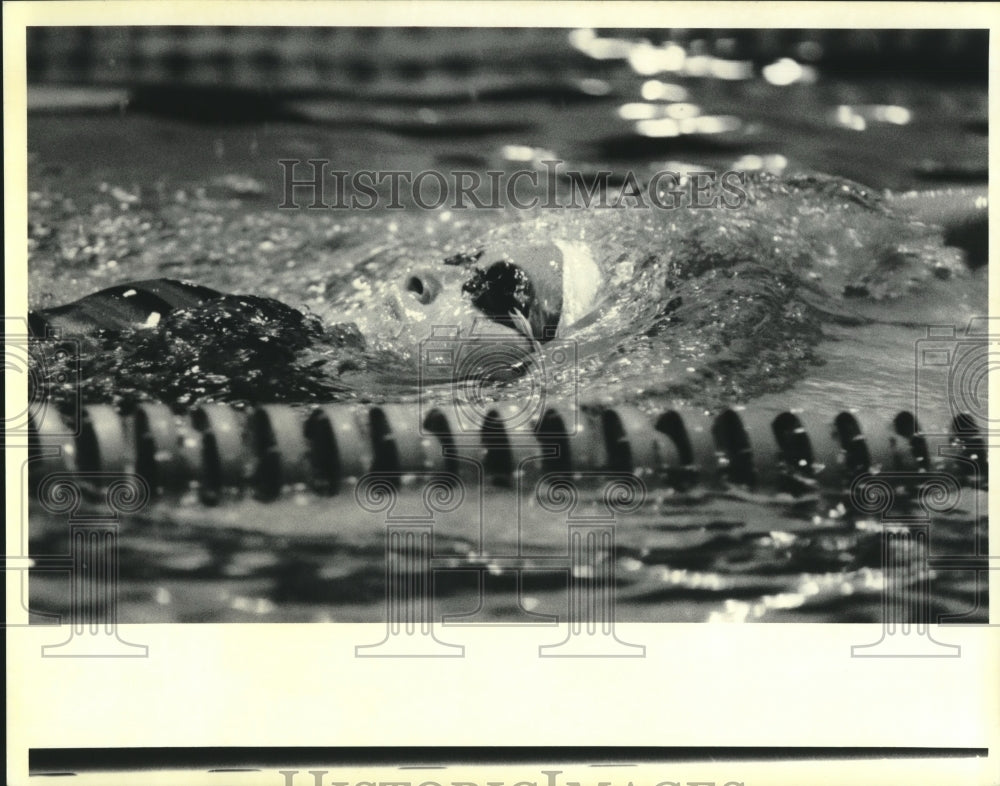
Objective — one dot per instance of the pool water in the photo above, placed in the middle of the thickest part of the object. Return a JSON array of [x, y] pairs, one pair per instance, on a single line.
[[812, 295]]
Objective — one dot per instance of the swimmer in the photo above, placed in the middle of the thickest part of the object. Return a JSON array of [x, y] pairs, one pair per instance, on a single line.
[[527, 293], [523, 294], [665, 297]]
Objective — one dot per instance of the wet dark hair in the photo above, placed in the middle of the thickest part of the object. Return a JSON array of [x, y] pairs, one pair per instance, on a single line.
[[504, 290], [501, 288]]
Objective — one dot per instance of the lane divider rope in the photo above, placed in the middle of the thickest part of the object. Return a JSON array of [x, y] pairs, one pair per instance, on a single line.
[[223, 452]]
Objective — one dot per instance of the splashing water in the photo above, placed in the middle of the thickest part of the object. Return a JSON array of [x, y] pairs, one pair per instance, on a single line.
[[705, 305]]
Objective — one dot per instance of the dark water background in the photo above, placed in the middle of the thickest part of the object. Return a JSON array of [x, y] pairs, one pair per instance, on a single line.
[[182, 181]]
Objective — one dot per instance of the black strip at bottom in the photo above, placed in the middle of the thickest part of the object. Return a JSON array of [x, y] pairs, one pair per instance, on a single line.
[[48, 760]]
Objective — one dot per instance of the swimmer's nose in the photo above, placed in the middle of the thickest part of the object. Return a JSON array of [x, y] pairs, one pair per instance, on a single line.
[[422, 286]]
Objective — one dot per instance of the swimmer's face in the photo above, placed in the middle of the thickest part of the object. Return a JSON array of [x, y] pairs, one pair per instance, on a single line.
[[481, 294]]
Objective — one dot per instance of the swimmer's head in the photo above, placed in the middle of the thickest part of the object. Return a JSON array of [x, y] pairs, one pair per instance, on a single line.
[[524, 294]]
